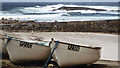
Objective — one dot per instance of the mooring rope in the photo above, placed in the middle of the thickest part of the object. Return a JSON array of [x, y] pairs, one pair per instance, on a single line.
[[8, 39], [45, 66]]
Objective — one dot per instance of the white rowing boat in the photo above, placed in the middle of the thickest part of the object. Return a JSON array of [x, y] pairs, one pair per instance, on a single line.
[[2, 43], [1, 47], [67, 54], [21, 51]]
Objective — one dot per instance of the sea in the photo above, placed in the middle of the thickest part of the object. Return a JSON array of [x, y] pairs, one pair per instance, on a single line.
[[43, 11]]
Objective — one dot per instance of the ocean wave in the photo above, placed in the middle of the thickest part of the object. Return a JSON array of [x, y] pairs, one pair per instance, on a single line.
[[58, 17], [46, 13], [38, 13], [88, 14], [48, 9], [95, 7]]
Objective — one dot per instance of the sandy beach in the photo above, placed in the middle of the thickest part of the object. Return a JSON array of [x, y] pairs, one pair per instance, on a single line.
[[100, 64], [108, 42]]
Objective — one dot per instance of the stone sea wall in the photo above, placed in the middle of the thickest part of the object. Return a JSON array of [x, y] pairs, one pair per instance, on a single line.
[[106, 26]]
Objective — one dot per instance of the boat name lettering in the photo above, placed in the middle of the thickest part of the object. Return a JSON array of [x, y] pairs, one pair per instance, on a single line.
[[73, 47], [25, 44]]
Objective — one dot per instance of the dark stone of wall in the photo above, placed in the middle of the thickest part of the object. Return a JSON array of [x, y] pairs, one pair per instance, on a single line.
[[107, 26]]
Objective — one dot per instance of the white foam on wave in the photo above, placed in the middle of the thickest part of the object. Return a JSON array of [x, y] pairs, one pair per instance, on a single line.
[[58, 17], [49, 8], [48, 17], [96, 7], [41, 9]]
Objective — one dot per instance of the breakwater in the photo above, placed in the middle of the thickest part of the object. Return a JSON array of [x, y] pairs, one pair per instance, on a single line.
[[106, 26]]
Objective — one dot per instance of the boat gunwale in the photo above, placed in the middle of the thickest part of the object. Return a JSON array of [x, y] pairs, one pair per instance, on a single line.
[[31, 42], [78, 45]]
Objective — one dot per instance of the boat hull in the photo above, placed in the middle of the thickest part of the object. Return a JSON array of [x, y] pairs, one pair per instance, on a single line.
[[2, 45], [66, 55], [20, 53]]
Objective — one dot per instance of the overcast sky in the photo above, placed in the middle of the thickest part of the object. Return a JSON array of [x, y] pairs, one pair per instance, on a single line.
[[60, 0]]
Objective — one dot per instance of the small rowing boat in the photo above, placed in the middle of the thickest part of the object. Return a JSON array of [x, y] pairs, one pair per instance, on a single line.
[[67, 54], [21, 51], [2, 43]]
